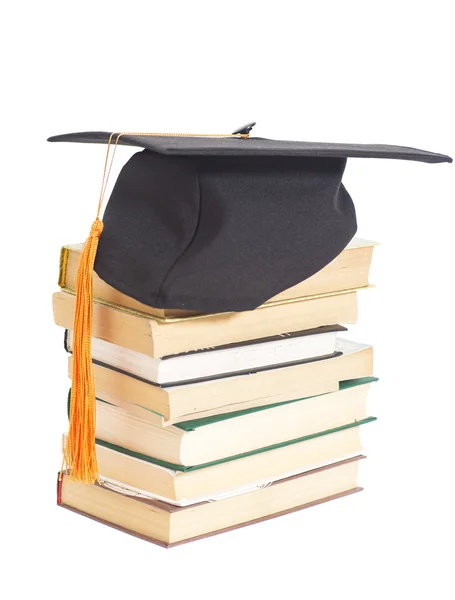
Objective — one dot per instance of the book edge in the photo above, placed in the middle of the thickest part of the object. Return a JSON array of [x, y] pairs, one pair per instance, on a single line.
[[157, 319], [218, 531]]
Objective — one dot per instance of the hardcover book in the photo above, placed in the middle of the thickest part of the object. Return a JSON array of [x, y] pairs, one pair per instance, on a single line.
[[202, 441], [181, 485], [151, 336], [209, 363], [176, 403], [349, 270], [168, 525]]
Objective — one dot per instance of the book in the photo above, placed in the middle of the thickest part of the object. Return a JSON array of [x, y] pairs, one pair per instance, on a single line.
[[169, 525], [201, 441], [284, 349], [154, 338], [181, 485], [349, 270], [176, 403], [127, 490]]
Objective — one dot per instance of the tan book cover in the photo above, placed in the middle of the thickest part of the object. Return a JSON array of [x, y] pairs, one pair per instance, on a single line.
[[196, 400], [168, 525], [148, 335], [347, 271]]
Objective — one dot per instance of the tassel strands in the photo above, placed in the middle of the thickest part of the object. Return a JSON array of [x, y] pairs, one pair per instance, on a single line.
[[79, 453], [80, 449]]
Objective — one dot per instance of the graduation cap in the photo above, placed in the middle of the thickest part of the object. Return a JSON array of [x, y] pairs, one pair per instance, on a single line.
[[211, 223]]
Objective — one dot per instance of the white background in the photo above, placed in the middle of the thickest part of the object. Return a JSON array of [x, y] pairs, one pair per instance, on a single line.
[[324, 71]]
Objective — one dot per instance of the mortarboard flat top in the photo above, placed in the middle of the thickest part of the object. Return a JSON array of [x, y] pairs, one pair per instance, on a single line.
[[252, 146], [216, 224]]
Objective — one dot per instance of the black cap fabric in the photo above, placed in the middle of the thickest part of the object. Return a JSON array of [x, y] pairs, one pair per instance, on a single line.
[[223, 224]]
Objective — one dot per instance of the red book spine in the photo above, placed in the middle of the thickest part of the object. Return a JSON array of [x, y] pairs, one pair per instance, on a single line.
[[59, 488]]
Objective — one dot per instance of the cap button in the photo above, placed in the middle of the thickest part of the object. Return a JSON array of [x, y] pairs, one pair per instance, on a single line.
[[245, 129]]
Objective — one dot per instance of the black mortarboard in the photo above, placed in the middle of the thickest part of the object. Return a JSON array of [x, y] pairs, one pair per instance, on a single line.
[[217, 224], [210, 224]]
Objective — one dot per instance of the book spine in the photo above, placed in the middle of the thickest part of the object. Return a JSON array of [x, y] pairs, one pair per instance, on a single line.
[[59, 488], [64, 252], [65, 342]]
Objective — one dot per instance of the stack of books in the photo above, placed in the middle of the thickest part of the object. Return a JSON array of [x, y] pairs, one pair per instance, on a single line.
[[206, 422]]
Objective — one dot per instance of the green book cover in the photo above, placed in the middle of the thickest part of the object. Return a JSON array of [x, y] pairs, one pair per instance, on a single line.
[[193, 424], [174, 467]]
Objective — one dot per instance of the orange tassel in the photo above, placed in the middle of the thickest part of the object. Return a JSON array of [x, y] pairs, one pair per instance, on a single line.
[[80, 450]]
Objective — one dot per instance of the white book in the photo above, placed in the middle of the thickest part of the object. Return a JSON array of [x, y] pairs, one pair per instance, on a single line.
[[129, 490], [280, 350]]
